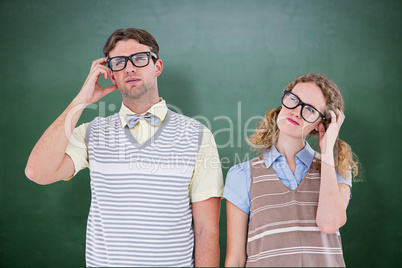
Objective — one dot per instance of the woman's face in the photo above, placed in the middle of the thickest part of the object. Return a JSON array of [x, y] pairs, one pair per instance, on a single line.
[[290, 122]]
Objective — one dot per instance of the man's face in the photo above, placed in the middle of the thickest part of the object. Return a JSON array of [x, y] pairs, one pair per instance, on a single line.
[[135, 82]]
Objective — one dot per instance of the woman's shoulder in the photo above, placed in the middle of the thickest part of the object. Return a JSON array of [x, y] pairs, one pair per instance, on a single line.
[[237, 186], [239, 169]]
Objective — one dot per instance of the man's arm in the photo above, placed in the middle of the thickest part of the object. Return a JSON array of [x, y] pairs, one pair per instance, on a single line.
[[206, 232], [48, 162]]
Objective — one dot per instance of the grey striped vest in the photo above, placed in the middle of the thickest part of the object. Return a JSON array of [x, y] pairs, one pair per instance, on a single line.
[[140, 211], [282, 228]]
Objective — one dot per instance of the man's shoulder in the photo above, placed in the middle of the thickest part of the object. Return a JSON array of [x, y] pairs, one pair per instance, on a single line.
[[108, 118], [185, 118]]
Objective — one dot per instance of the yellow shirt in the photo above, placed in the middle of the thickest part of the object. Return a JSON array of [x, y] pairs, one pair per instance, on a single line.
[[207, 179]]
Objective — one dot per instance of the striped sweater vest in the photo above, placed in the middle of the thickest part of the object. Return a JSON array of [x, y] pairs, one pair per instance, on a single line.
[[140, 211], [282, 228]]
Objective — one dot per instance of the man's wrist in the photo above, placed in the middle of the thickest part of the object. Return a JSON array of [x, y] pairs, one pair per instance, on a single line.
[[79, 103]]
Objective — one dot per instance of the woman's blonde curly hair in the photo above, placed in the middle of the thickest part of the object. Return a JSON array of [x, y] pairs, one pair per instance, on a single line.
[[267, 132]]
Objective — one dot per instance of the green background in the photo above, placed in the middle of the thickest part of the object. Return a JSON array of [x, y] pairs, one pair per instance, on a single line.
[[222, 59]]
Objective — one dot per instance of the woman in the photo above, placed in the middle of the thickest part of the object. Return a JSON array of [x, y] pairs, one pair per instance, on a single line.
[[285, 207]]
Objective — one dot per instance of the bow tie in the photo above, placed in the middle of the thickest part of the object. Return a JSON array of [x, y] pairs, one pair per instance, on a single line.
[[133, 119]]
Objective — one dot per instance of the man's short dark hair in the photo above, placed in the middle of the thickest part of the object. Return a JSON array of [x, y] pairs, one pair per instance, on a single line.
[[141, 36]]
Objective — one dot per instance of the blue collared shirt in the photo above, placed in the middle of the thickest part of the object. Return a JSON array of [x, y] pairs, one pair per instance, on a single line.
[[238, 179], [304, 158]]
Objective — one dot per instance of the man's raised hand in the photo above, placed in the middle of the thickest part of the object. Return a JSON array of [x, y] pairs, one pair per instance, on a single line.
[[91, 91]]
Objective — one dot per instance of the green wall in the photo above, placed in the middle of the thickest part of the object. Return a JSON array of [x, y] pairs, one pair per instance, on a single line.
[[225, 63]]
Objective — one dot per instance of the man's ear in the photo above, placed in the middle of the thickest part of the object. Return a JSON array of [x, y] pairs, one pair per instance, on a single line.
[[158, 67], [111, 75]]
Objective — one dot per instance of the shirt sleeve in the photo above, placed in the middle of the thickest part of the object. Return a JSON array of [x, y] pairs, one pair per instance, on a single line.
[[237, 186], [343, 180], [77, 149], [207, 179]]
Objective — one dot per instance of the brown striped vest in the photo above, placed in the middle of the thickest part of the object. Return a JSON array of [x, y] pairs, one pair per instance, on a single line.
[[282, 227]]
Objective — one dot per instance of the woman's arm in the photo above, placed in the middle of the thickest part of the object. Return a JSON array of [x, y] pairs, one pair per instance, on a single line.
[[333, 201], [334, 197], [237, 225]]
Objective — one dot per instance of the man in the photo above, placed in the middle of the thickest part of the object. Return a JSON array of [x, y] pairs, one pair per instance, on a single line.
[[155, 183]]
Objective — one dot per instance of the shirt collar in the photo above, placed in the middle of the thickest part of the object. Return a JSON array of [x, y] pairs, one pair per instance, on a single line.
[[270, 156], [306, 155], [159, 109]]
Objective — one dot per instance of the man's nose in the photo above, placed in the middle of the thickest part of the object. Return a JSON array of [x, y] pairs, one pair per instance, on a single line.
[[130, 67]]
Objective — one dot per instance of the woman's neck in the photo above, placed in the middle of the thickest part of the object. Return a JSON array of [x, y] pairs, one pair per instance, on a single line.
[[289, 146]]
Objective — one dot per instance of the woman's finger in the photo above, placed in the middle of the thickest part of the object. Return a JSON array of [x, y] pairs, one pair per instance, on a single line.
[[341, 118], [333, 116]]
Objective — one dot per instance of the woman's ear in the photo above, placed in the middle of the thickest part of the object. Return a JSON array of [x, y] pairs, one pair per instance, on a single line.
[[317, 128]]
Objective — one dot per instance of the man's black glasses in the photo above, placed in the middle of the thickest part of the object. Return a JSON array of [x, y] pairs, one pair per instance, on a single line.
[[140, 59]]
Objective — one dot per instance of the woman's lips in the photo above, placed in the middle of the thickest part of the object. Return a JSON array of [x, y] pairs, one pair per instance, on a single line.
[[293, 121]]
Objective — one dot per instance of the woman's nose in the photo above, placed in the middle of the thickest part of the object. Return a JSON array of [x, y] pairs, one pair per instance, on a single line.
[[297, 111]]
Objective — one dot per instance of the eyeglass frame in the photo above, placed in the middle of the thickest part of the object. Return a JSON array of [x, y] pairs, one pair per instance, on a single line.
[[303, 105], [126, 58]]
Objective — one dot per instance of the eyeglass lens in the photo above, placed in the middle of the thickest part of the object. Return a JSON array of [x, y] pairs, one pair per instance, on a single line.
[[139, 60], [291, 101]]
